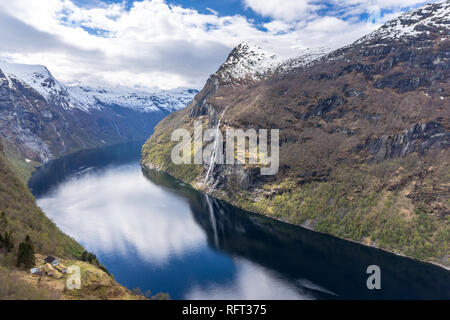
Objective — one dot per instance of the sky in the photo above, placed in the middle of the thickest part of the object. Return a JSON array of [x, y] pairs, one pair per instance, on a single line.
[[174, 43]]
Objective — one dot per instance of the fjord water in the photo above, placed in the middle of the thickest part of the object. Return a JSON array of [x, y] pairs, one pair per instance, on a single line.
[[155, 233]]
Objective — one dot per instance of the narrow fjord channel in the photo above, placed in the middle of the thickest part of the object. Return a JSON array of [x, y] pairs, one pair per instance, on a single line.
[[156, 233]]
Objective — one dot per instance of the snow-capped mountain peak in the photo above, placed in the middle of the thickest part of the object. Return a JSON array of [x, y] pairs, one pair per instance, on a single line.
[[139, 100], [247, 62], [433, 16], [87, 98], [36, 76]]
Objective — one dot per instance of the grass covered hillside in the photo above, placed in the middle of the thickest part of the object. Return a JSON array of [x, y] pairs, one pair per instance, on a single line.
[[23, 217], [19, 217]]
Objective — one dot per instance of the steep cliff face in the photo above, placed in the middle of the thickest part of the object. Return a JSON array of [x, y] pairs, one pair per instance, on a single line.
[[41, 119], [364, 138]]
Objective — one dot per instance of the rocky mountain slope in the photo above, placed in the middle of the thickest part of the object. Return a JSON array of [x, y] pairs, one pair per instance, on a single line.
[[41, 119], [364, 137]]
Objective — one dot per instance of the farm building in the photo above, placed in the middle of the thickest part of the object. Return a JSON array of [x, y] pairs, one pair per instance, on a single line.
[[48, 269], [36, 271], [53, 261], [61, 268]]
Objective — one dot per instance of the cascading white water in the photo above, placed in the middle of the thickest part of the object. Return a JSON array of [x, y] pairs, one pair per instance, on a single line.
[[214, 153], [212, 218]]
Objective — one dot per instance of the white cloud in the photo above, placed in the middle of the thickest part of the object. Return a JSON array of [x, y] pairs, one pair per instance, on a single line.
[[283, 10], [254, 282], [251, 282], [109, 223], [156, 44], [293, 10]]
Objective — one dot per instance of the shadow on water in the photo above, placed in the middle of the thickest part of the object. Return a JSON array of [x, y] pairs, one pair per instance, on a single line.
[[56, 171], [306, 258]]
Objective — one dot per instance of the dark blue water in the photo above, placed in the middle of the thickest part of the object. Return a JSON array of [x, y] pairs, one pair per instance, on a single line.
[[154, 233]]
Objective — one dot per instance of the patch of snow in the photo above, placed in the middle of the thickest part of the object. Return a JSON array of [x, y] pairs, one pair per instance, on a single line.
[[35, 76], [40, 79], [140, 100], [248, 61], [414, 23], [305, 57]]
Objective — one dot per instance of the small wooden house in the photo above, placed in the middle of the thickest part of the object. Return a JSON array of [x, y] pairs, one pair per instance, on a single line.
[[48, 269], [61, 268], [51, 260], [36, 271]]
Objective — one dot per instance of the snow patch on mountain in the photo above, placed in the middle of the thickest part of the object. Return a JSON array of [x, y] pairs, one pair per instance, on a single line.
[[414, 23], [36, 76], [305, 56], [247, 62], [139, 100]]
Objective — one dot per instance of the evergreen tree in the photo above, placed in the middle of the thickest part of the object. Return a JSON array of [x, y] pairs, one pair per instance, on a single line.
[[25, 254], [3, 221], [6, 241], [9, 241], [90, 257], [84, 256]]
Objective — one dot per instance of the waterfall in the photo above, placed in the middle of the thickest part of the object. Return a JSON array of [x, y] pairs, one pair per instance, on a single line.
[[213, 220], [213, 159]]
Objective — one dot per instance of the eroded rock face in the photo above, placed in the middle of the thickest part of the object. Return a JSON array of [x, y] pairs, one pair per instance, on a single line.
[[199, 106], [419, 138], [235, 176]]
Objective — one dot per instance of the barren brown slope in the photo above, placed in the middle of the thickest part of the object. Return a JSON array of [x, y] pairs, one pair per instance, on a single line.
[[364, 139]]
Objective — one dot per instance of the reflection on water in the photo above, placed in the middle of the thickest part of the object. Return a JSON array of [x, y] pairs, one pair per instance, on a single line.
[[158, 234], [109, 212], [253, 282]]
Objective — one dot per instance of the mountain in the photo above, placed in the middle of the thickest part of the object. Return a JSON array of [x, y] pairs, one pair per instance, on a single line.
[[306, 56], [249, 63], [364, 136], [40, 118], [246, 63], [138, 100]]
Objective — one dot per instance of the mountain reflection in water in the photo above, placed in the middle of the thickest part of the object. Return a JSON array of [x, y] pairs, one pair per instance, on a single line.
[[156, 233]]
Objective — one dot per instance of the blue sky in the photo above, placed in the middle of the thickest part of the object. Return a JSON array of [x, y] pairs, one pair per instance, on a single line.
[[175, 43]]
